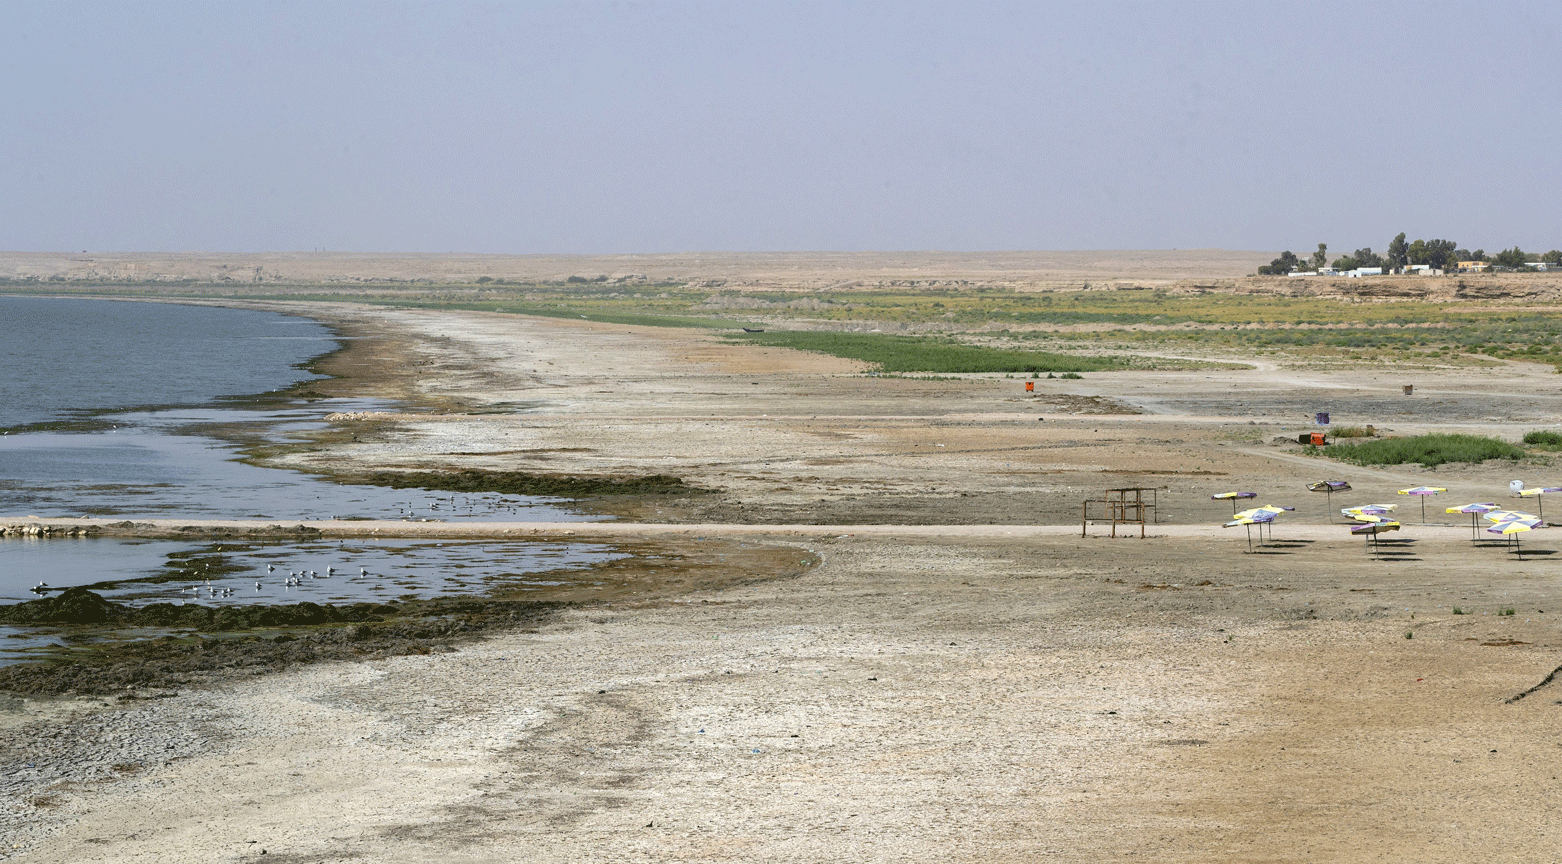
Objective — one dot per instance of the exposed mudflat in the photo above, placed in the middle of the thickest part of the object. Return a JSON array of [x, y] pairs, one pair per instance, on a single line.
[[951, 683]]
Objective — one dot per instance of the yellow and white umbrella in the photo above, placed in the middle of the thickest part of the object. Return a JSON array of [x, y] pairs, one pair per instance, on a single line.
[[1370, 512], [1474, 510], [1514, 528], [1536, 493]]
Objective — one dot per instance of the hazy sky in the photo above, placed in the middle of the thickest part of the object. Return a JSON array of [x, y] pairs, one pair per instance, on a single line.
[[657, 127]]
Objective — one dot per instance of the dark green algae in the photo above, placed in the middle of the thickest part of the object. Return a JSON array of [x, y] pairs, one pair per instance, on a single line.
[[82, 606], [522, 483], [246, 640]]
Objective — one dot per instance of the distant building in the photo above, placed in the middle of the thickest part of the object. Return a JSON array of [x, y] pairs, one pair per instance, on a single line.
[[1423, 270], [1364, 271], [1473, 266], [1328, 271]]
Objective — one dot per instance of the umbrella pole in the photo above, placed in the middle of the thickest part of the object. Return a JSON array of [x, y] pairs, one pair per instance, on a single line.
[[1423, 509], [1249, 537]]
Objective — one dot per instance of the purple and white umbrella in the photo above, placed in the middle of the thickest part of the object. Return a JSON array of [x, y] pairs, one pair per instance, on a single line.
[[1233, 497], [1329, 487], [1422, 492]]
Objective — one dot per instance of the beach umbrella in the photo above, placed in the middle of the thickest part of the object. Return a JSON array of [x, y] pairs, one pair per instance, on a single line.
[[1248, 519], [1422, 492], [1369, 512], [1329, 487], [1262, 516], [1473, 510], [1371, 530], [1537, 492], [1510, 516], [1234, 497], [1513, 529]]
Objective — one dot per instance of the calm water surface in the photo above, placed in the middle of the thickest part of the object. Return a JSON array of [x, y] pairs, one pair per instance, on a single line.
[[68, 358], [152, 365]]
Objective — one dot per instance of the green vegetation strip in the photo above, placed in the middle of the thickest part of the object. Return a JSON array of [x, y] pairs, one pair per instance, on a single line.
[[890, 353], [1428, 450], [521, 483], [1420, 331]]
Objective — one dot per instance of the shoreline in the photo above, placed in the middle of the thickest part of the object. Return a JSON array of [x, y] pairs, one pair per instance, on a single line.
[[926, 690], [32, 526]]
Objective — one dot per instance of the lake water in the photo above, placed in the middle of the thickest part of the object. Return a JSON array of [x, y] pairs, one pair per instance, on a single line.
[[398, 569], [162, 371], [69, 358]]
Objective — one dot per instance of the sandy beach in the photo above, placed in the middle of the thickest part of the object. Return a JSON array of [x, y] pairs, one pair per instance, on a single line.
[[961, 676]]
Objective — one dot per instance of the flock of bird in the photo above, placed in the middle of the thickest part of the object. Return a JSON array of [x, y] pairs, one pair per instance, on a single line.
[[297, 578], [292, 580], [436, 508]]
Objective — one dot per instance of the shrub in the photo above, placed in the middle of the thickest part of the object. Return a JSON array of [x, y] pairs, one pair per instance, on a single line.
[[892, 353], [1543, 439], [1429, 450]]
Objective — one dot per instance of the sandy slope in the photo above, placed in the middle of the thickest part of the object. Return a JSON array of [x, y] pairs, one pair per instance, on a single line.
[[976, 691]]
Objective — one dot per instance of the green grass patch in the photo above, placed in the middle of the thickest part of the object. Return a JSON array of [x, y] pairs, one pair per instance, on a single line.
[[1540, 438], [1294, 329], [890, 353], [1428, 450]]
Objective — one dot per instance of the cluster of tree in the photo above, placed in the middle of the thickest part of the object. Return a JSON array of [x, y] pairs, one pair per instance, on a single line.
[[1437, 254]]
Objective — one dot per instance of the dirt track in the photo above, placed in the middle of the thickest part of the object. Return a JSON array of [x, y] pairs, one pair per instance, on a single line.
[[970, 691]]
